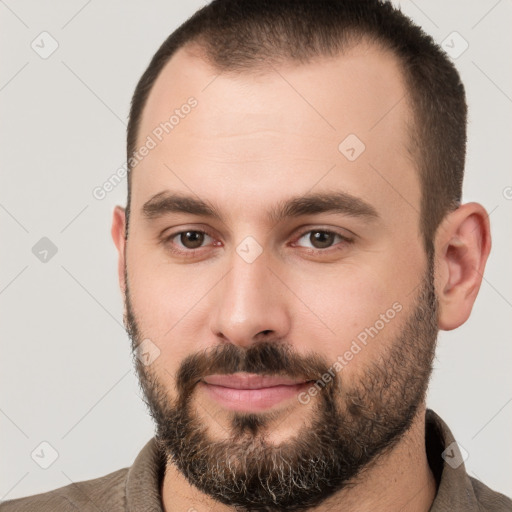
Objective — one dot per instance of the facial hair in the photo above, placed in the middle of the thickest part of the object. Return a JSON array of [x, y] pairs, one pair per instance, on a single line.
[[353, 422]]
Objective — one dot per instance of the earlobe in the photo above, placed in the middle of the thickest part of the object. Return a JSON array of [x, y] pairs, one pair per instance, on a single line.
[[463, 243], [118, 236]]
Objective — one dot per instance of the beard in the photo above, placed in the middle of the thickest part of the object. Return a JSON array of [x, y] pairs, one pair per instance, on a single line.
[[353, 422]]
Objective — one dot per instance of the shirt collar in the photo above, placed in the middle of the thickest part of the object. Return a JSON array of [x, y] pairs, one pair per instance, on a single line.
[[454, 488], [144, 479]]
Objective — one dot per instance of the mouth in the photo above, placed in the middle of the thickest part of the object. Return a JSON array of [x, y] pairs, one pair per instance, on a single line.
[[250, 392]]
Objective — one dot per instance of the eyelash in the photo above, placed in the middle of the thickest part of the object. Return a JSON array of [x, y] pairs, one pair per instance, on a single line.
[[189, 253]]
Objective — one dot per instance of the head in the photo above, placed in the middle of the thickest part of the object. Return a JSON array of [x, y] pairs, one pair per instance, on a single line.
[[295, 212]]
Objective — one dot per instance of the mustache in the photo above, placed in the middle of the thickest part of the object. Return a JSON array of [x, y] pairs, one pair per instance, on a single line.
[[264, 358]]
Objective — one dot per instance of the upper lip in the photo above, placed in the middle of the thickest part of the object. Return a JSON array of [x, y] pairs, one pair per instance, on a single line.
[[251, 381]]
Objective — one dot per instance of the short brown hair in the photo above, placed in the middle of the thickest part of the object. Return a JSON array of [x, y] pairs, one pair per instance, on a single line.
[[239, 35]]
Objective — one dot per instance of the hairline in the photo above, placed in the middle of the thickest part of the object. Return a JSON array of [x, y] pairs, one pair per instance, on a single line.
[[198, 47]]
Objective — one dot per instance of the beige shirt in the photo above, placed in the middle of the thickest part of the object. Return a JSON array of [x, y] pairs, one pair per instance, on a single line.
[[137, 489]]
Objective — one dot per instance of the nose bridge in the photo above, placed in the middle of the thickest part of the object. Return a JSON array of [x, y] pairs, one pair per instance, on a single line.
[[248, 301]]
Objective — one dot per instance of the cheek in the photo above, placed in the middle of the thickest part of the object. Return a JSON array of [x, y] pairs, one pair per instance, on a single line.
[[170, 303], [344, 305], [357, 314], [161, 292]]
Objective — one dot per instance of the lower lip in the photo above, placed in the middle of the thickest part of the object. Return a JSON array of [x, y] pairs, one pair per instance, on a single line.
[[252, 399]]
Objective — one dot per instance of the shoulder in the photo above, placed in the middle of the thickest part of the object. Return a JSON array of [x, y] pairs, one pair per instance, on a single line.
[[489, 500], [104, 493]]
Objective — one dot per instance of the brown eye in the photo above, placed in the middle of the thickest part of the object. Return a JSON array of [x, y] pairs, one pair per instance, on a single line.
[[321, 239], [192, 239], [189, 243]]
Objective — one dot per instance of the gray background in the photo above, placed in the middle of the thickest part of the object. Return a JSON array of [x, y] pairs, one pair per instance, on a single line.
[[65, 371]]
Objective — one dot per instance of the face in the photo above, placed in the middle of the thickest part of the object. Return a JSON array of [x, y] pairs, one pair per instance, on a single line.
[[275, 274]]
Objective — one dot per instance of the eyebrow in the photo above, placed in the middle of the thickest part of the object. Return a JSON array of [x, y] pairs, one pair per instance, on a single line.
[[310, 204]]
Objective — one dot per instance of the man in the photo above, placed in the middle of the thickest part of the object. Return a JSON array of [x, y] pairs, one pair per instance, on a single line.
[[293, 241]]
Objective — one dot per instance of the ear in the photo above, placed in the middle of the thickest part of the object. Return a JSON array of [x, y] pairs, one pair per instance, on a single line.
[[462, 245], [118, 235]]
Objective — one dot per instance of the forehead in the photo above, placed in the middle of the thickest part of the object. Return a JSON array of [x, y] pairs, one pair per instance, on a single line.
[[279, 129]]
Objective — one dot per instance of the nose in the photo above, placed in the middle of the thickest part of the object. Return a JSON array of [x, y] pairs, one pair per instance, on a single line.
[[249, 304]]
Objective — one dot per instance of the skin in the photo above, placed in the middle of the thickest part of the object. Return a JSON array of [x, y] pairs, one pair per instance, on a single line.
[[254, 140]]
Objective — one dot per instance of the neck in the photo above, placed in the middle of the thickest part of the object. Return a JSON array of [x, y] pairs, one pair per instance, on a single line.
[[399, 480]]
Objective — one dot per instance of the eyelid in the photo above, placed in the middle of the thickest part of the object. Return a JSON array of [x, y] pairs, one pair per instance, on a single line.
[[167, 239], [168, 233], [344, 233], [346, 238], [193, 231]]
